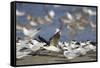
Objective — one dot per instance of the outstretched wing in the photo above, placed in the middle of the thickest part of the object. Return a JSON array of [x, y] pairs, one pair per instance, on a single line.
[[54, 39], [42, 39]]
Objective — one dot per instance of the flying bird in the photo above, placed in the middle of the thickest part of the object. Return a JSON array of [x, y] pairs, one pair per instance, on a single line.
[[56, 6], [93, 26], [76, 21], [53, 42], [69, 15], [89, 11], [34, 21], [20, 13], [28, 32]]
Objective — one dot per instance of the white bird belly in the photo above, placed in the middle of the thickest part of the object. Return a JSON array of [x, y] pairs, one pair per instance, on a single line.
[[52, 48], [70, 55]]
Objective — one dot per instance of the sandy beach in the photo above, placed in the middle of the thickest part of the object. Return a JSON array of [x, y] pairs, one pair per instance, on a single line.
[[54, 58]]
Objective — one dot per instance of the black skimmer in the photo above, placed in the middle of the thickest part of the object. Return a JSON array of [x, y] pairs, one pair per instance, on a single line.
[[20, 44], [80, 48], [90, 46], [53, 42], [34, 45], [70, 53], [28, 47]]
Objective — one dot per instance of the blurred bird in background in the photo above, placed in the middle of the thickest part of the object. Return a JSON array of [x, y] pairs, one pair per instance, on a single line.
[[79, 20]]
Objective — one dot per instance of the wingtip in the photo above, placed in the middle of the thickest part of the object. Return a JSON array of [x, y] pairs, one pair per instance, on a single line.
[[38, 28]]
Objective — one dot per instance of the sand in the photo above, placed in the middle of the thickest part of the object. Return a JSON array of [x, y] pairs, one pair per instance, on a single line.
[[54, 58]]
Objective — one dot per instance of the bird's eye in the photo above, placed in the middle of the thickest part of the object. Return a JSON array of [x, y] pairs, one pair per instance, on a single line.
[[77, 43], [65, 49], [45, 45], [26, 43], [76, 47]]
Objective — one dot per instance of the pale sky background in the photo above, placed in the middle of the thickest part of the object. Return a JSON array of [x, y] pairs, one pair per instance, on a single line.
[[48, 30]]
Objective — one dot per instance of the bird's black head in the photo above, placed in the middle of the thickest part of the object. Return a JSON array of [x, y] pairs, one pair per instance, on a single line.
[[65, 49], [46, 45], [18, 39], [38, 28], [63, 42], [30, 42], [93, 43], [77, 43], [74, 40], [88, 40]]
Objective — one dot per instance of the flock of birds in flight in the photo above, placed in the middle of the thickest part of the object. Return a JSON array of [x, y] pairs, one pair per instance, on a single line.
[[70, 49]]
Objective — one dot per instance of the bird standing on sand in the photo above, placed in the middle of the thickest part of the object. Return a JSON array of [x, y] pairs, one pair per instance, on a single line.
[[70, 53], [90, 46], [21, 49], [34, 45]]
